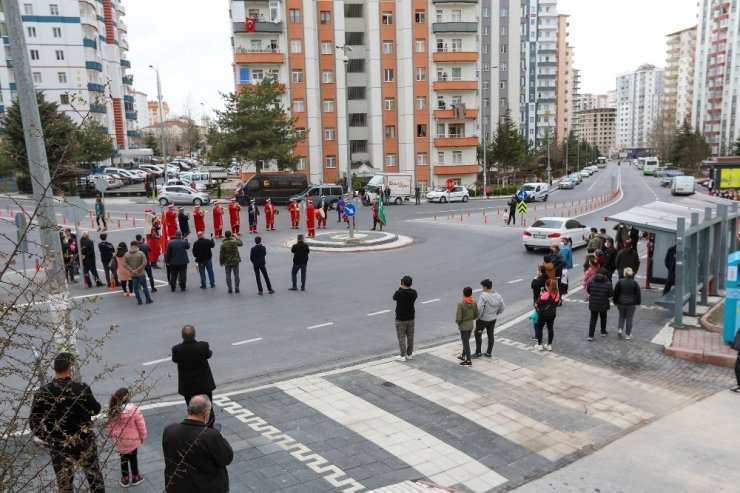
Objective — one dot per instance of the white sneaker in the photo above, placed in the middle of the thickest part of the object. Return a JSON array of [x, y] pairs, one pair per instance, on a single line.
[[548, 347], [538, 347], [409, 357], [628, 337], [400, 358], [619, 333]]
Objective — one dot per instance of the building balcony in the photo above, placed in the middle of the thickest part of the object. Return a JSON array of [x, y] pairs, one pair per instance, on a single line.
[[547, 76], [9, 63], [131, 115], [90, 43], [133, 133], [454, 140], [546, 100], [262, 56], [547, 64], [98, 108], [125, 63], [547, 52], [455, 85], [128, 80], [120, 8], [259, 27], [95, 87], [455, 27], [455, 56], [128, 98], [94, 66], [471, 113], [456, 169]]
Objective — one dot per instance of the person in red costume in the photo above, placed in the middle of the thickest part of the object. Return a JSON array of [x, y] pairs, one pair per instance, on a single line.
[[234, 216], [170, 221], [295, 214], [154, 241], [310, 218], [199, 219], [218, 219], [269, 215]]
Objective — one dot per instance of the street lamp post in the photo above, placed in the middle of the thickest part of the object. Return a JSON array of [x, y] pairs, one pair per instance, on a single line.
[[161, 116], [547, 129], [205, 128], [485, 140], [350, 196], [566, 155]]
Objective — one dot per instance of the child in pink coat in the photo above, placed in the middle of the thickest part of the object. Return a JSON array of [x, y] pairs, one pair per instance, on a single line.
[[127, 428]]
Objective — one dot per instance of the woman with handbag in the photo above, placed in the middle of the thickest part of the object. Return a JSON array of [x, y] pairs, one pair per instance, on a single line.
[[626, 297], [547, 306]]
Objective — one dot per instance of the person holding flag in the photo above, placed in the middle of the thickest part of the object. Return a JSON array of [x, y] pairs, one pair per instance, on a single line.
[[269, 215], [378, 213], [218, 219], [234, 219], [199, 219]]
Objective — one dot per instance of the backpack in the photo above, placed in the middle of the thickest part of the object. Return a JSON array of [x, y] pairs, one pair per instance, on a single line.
[[546, 307]]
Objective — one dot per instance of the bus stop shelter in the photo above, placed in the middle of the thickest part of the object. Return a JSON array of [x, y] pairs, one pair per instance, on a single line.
[[704, 230]]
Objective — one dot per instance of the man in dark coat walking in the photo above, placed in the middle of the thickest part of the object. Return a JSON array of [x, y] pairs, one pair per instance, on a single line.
[[627, 257], [203, 255], [193, 371], [670, 264], [176, 258], [257, 256], [89, 269]]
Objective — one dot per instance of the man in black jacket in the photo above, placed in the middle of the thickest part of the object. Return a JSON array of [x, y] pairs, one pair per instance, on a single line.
[[61, 416], [193, 371], [196, 456], [146, 250], [203, 255], [405, 298], [176, 258], [107, 250], [89, 269], [257, 255], [300, 259]]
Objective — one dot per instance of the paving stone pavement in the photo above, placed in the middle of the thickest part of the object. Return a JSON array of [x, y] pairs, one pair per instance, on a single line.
[[384, 425]]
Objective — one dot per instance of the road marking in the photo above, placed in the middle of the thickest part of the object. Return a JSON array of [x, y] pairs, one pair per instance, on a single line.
[[157, 361], [377, 313], [246, 342], [514, 281], [429, 301], [320, 325]]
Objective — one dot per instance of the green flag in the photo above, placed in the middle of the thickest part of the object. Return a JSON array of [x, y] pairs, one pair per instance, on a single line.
[[381, 211]]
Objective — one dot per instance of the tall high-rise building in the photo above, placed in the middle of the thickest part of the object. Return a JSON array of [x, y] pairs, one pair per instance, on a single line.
[[715, 110], [565, 75], [77, 50], [639, 95], [538, 70], [408, 84], [679, 77], [597, 127]]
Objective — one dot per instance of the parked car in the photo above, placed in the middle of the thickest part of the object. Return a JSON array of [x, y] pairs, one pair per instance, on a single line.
[[548, 230], [683, 185], [441, 195], [330, 192], [179, 194], [536, 191], [566, 182], [234, 170], [668, 175], [199, 187], [576, 177], [585, 173]]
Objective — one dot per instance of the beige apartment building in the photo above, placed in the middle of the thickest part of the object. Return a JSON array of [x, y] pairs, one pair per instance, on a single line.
[[597, 126], [565, 81], [679, 77]]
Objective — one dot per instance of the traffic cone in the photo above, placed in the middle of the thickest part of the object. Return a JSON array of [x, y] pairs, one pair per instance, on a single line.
[[112, 286], [134, 219], [92, 223], [468, 212], [461, 218], [127, 216], [36, 265], [435, 216], [119, 224]]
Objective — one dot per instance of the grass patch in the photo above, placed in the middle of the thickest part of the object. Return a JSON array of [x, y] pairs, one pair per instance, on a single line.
[[717, 316]]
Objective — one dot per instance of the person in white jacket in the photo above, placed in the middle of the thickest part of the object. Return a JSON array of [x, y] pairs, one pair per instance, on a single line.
[[490, 305]]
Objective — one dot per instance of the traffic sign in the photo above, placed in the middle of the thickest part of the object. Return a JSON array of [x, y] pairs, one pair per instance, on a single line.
[[522, 207], [350, 210], [101, 184], [522, 195], [450, 184]]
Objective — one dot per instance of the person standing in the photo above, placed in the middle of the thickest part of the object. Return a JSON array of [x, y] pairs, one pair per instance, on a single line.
[[135, 262], [487, 191], [295, 214], [376, 216], [127, 429], [627, 297], [736, 347], [100, 213], [300, 253], [269, 215], [61, 417], [340, 208], [89, 268], [194, 375], [600, 292], [512, 203], [199, 219], [490, 306], [234, 216], [547, 306], [467, 313], [253, 213], [154, 240], [203, 256], [610, 257], [229, 259], [566, 251], [627, 257], [321, 210], [124, 275], [387, 194], [196, 456], [670, 265], [107, 251], [218, 219], [405, 297], [183, 219], [146, 250], [257, 256], [69, 255], [176, 258], [310, 218], [170, 221], [417, 194]]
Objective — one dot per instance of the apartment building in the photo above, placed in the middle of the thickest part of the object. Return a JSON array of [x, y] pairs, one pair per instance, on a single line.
[[638, 101], [597, 126], [717, 74], [538, 70], [404, 90], [565, 81], [679, 77], [77, 51]]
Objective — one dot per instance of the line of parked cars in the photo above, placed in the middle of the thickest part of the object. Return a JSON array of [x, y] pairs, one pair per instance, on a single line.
[[574, 179]]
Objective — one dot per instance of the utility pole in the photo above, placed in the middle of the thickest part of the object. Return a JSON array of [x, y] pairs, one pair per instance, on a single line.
[[51, 248], [567, 139], [161, 118], [350, 196]]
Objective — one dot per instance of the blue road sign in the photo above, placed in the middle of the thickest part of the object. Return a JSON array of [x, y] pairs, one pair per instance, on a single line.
[[522, 195], [350, 210]]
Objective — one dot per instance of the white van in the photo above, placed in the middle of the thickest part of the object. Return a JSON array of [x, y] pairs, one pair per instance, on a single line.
[[683, 185], [536, 191]]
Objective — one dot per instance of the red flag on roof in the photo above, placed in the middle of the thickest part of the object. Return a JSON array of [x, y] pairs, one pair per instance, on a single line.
[[250, 24]]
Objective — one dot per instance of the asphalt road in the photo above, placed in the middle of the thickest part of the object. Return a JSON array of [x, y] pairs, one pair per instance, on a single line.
[[346, 314]]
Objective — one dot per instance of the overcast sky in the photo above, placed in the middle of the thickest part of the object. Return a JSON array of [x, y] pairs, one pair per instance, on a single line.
[[189, 40]]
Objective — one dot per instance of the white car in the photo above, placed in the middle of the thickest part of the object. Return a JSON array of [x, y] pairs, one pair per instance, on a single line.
[[178, 194], [566, 182], [585, 172], [548, 230], [441, 195]]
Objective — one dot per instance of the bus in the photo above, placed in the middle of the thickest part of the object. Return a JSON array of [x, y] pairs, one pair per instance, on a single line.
[[648, 165], [601, 162]]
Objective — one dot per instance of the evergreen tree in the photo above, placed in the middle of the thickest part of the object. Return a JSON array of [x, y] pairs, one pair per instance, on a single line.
[[736, 148], [688, 147], [151, 142], [509, 148], [93, 144]]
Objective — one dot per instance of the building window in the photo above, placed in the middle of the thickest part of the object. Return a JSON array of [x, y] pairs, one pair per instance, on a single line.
[[327, 77], [456, 73], [387, 18], [53, 9], [295, 46], [421, 102], [299, 106], [329, 134], [64, 99], [358, 119], [420, 17], [297, 75], [34, 54], [390, 132], [486, 67], [328, 105], [456, 157], [31, 32], [421, 130], [439, 16], [457, 16], [357, 146], [504, 12], [388, 75], [421, 45], [57, 32], [503, 67], [353, 10], [390, 160], [387, 47], [62, 76], [504, 30], [486, 48], [440, 157], [354, 38], [504, 48], [27, 9], [300, 133], [356, 65], [325, 17], [326, 48], [421, 74], [389, 104], [486, 12], [301, 163], [294, 15], [456, 45], [485, 31], [37, 78], [421, 159], [330, 161]]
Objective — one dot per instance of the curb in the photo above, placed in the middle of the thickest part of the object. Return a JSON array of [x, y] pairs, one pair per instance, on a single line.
[[704, 319], [726, 361]]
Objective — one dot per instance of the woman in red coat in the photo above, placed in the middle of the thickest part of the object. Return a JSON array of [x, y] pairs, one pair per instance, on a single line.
[[199, 220], [310, 218], [154, 241]]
